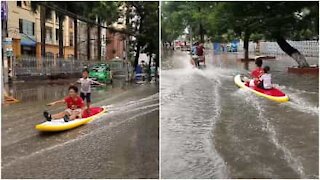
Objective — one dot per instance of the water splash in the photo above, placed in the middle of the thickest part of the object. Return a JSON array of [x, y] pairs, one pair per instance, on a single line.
[[292, 161]]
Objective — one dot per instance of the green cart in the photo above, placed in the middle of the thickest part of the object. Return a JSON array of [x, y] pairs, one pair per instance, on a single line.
[[101, 72]]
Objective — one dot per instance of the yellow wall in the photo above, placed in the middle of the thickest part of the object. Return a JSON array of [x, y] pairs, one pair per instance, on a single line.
[[16, 47], [54, 49], [15, 13]]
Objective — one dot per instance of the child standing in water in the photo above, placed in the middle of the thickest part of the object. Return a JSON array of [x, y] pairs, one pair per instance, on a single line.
[[265, 79], [85, 90]]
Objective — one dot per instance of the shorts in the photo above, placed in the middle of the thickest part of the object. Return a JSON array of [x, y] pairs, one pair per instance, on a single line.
[[86, 96], [70, 111]]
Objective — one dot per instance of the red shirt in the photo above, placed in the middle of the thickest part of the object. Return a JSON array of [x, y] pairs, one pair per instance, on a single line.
[[200, 50], [74, 103], [257, 72]]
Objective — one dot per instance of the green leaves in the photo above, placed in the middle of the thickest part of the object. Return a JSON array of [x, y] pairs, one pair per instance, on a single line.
[[222, 20]]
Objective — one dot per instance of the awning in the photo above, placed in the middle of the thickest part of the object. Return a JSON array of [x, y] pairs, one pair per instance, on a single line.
[[28, 40]]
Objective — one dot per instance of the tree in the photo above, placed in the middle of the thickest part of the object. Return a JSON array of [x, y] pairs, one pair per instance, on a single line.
[[180, 15], [150, 33], [100, 12], [104, 12], [147, 27], [272, 20], [292, 18], [268, 20], [170, 30], [240, 17]]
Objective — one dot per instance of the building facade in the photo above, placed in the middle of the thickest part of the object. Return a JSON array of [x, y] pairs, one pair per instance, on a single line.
[[116, 46], [24, 29]]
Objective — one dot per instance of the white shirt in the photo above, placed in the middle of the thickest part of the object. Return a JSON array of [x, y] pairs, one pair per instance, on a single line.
[[85, 85], [266, 78]]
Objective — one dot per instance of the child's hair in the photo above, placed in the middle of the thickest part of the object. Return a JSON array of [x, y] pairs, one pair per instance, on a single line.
[[85, 70], [258, 62], [75, 88], [266, 69]]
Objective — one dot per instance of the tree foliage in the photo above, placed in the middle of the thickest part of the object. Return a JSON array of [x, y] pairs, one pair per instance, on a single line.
[[178, 15], [267, 20], [294, 20], [146, 25]]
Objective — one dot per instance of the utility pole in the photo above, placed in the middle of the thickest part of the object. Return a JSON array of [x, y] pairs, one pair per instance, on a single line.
[[4, 34], [190, 34], [127, 42]]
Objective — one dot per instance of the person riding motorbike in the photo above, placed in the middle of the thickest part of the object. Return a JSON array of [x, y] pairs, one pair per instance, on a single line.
[[201, 54], [194, 56]]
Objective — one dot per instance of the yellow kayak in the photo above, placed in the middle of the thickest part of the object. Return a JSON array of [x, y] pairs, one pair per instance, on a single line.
[[273, 94], [60, 125]]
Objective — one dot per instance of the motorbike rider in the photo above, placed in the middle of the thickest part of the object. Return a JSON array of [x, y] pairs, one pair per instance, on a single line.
[[194, 55]]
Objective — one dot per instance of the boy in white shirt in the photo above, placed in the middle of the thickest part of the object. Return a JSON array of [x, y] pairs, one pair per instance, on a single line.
[[265, 79], [85, 90]]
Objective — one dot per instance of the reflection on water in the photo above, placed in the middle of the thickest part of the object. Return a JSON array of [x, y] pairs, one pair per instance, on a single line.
[[33, 91], [212, 129]]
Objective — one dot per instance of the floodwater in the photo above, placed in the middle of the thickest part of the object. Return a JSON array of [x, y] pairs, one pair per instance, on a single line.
[[123, 143], [212, 129]]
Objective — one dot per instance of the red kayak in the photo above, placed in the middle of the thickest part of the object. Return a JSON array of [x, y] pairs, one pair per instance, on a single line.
[[93, 111], [273, 94]]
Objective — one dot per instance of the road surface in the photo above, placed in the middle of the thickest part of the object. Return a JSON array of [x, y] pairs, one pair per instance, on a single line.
[[212, 129], [123, 143]]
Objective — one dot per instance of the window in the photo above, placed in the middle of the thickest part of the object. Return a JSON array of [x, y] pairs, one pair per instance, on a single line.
[[48, 34], [50, 15], [19, 3], [20, 26], [103, 39], [33, 29], [57, 34], [71, 38], [70, 23], [26, 27]]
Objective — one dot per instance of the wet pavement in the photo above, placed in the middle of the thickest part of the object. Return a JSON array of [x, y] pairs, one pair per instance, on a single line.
[[212, 129], [123, 143]]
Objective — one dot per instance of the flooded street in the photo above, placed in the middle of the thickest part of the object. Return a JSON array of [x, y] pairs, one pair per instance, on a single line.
[[123, 143], [212, 129]]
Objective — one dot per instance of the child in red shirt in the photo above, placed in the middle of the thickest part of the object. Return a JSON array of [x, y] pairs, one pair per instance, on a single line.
[[75, 106], [256, 73]]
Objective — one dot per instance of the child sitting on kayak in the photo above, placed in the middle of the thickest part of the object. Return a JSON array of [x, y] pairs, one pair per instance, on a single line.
[[265, 79], [75, 106], [85, 90], [256, 73]]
